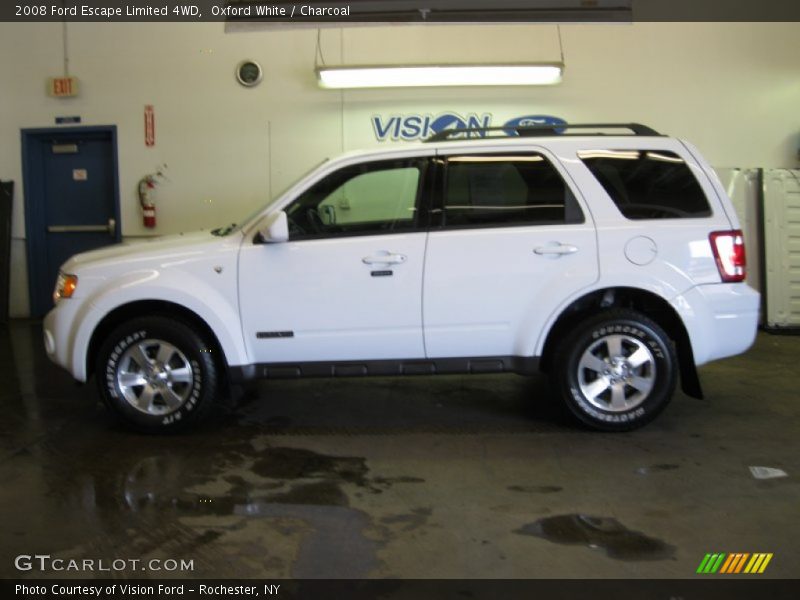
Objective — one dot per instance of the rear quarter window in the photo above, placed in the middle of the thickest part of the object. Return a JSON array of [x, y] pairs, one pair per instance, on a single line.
[[648, 184]]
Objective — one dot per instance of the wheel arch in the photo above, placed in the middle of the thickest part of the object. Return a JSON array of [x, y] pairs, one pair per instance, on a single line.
[[648, 303], [153, 308]]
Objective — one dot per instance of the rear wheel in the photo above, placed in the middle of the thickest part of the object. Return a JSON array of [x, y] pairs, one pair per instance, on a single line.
[[157, 374], [617, 371]]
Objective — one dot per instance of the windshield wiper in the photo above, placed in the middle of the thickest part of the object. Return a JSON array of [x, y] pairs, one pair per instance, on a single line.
[[223, 231]]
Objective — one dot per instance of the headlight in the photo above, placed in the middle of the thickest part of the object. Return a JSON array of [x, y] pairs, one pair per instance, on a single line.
[[65, 286]]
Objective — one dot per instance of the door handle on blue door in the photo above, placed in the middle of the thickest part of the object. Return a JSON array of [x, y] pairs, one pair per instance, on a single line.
[[555, 250], [110, 227], [384, 258]]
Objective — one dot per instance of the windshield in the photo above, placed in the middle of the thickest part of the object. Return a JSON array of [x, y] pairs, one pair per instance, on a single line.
[[228, 229]]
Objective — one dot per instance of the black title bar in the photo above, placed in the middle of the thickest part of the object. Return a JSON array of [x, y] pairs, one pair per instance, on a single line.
[[336, 12], [699, 588]]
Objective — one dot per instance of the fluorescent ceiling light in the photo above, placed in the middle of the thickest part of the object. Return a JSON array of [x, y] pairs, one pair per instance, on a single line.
[[438, 75]]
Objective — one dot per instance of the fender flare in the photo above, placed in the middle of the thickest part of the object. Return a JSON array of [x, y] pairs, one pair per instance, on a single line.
[[196, 297]]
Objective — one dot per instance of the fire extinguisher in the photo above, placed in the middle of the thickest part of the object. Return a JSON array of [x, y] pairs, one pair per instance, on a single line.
[[147, 185]]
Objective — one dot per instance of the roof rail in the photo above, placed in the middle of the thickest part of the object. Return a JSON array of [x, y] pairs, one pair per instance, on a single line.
[[543, 129]]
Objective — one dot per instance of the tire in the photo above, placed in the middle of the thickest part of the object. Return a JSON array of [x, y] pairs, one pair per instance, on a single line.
[[617, 371], [157, 374]]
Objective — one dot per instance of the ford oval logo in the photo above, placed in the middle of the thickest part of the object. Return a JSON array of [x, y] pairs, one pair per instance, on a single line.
[[529, 120]]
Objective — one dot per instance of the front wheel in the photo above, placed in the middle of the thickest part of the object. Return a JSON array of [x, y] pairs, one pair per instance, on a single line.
[[617, 371], [157, 374]]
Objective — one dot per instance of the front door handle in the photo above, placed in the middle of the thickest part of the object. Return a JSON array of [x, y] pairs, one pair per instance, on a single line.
[[385, 258], [557, 249]]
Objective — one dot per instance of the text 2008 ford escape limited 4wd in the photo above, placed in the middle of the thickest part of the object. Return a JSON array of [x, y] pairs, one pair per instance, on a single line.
[[612, 262]]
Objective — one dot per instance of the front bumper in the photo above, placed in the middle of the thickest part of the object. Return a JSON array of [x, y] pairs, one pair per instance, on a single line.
[[60, 333]]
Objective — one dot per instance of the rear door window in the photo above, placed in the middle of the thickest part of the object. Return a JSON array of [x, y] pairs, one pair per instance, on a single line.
[[506, 190]]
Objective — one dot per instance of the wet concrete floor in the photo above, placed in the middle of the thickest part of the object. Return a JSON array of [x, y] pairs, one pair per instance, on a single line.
[[451, 476]]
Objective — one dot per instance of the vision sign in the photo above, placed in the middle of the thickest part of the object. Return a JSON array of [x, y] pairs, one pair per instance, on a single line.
[[420, 126]]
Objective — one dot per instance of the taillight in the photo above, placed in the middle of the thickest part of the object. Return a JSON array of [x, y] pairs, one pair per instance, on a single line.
[[728, 249]]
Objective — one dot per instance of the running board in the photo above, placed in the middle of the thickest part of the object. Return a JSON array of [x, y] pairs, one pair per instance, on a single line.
[[385, 368]]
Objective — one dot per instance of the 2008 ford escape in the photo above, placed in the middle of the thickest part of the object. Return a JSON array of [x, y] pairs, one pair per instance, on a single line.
[[612, 262]]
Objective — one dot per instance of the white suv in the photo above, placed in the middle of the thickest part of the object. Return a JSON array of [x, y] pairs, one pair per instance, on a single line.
[[612, 262]]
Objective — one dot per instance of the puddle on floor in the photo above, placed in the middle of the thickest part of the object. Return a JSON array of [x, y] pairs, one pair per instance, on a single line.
[[603, 533], [417, 518], [656, 469], [279, 475], [299, 463], [317, 493], [535, 489]]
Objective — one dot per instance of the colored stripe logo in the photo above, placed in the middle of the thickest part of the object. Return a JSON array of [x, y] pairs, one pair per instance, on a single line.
[[734, 563]]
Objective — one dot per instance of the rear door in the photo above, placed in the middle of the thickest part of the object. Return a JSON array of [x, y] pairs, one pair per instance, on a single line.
[[512, 242]]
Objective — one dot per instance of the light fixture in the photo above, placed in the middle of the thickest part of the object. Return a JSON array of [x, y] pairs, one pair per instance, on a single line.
[[341, 77]]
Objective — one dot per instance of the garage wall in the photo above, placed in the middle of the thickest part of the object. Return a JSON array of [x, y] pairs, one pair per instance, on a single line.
[[732, 89], [782, 247]]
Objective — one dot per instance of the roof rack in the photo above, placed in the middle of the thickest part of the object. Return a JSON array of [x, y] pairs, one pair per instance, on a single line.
[[543, 129]]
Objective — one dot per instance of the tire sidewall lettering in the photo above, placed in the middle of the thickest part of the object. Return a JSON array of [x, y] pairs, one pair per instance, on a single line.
[[632, 330], [623, 417], [113, 361]]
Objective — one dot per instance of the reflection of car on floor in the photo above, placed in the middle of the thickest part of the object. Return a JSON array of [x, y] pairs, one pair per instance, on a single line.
[[612, 262]]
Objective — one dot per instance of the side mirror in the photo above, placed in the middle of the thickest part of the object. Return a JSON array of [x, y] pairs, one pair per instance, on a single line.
[[274, 229]]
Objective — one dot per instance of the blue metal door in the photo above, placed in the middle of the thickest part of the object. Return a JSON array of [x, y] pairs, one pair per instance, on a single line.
[[71, 200]]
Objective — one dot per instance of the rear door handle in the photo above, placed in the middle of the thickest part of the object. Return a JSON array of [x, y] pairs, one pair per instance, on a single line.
[[555, 250], [384, 258]]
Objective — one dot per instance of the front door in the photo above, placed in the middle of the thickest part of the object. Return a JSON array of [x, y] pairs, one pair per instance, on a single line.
[[71, 200], [348, 283]]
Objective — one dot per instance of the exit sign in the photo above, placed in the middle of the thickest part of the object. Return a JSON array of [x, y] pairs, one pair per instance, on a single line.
[[62, 87]]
